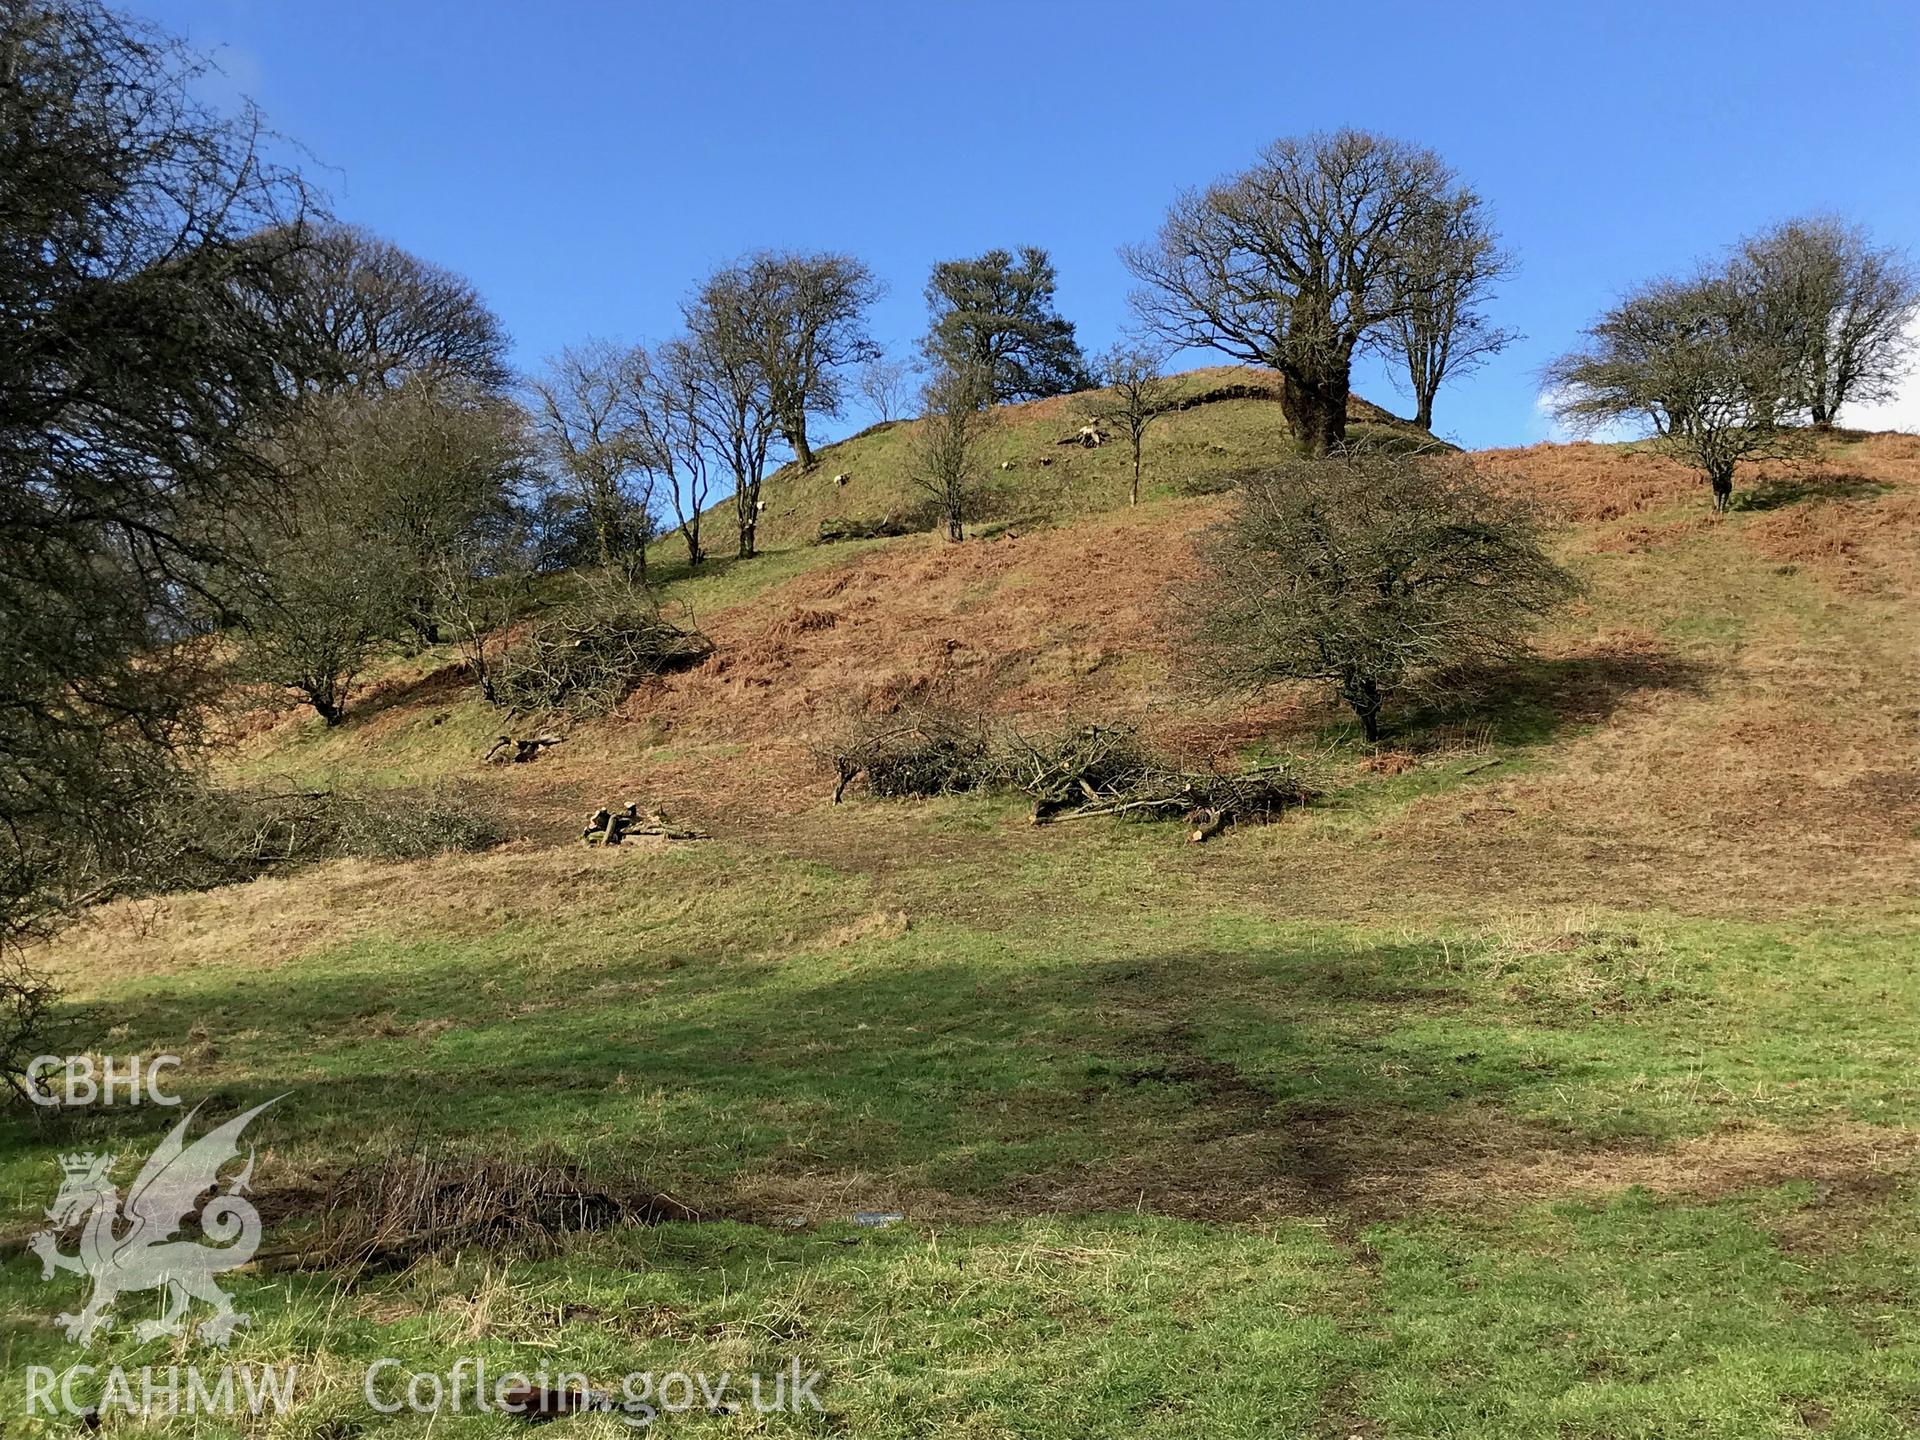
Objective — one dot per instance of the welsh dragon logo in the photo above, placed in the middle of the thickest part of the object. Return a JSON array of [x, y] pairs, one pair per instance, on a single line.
[[136, 1250]]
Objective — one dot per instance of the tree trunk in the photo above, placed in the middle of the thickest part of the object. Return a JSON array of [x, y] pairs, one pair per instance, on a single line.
[[794, 427], [1133, 497], [1424, 416], [1822, 416], [694, 553], [956, 528], [1363, 694], [746, 510], [1316, 411]]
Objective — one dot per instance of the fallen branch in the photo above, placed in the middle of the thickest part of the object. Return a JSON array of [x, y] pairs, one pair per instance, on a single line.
[[509, 751]]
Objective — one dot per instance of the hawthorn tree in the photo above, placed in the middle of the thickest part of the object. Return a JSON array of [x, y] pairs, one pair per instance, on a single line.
[[382, 487], [137, 385], [1377, 574], [482, 588], [945, 458], [1694, 360], [423, 468], [1297, 263], [1843, 309]]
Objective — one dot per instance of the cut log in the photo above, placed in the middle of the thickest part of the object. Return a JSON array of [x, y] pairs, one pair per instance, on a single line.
[[610, 827], [1206, 825]]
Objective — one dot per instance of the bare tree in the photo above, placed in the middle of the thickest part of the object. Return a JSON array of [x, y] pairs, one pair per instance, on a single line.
[[420, 467], [887, 386], [738, 418], [946, 455], [673, 425], [1842, 306], [804, 316], [135, 384], [327, 599], [1377, 573], [995, 314], [1296, 263], [1452, 260], [586, 415], [383, 488], [327, 588], [370, 315], [1134, 394], [483, 587], [1694, 361]]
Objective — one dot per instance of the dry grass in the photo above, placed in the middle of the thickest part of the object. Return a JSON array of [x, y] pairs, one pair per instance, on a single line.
[[1767, 656]]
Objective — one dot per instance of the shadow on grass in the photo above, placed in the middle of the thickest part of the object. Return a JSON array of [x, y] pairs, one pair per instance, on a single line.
[[1778, 491], [1284, 1082], [1531, 702], [441, 685]]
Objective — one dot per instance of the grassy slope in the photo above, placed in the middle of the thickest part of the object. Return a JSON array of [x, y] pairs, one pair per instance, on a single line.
[[1028, 472], [1568, 1096]]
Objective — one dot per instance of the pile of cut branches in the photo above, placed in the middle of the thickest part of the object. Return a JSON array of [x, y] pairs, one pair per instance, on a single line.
[[924, 750], [1101, 770], [199, 836], [389, 1212], [1088, 771], [588, 658]]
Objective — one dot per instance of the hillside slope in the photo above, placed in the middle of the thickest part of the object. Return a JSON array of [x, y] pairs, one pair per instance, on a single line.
[[1551, 1076], [1768, 652], [1229, 419]]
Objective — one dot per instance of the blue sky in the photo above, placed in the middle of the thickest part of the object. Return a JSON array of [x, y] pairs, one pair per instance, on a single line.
[[584, 163]]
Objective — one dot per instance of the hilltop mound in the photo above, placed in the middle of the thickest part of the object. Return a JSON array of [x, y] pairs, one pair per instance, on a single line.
[[1227, 418]]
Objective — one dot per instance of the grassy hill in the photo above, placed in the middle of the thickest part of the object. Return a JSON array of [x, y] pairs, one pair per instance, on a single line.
[[1230, 419], [1553, 1075]]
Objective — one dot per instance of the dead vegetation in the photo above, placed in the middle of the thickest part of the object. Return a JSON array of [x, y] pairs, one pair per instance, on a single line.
[[389, 1212], [1085, 771], [587, 658], [203, 836]]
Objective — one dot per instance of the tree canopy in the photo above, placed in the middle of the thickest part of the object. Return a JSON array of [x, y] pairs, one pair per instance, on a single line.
[[994, 315]]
